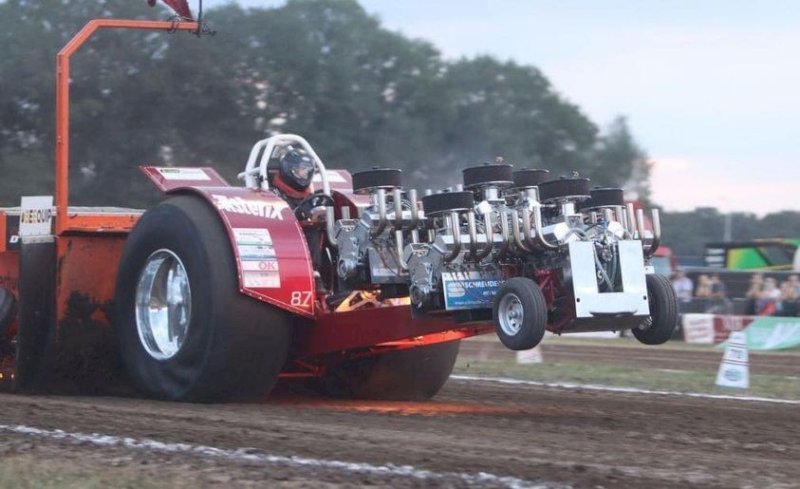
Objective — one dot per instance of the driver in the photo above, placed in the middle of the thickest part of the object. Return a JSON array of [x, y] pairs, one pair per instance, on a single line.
[[291, 175]]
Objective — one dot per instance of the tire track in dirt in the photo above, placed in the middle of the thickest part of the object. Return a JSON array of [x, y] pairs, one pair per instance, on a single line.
[[570, 437]]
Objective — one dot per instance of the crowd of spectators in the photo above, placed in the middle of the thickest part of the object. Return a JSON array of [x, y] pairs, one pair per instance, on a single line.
[[771, 299], [765, 296]]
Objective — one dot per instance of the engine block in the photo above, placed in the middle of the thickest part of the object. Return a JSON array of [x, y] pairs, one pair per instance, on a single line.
[[585, 247]]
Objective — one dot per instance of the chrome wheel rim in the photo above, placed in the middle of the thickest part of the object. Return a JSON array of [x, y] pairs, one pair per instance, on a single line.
[[510, 314], [163, 305]]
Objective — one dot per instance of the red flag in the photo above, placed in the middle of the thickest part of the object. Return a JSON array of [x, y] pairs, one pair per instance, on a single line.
[[179, 6]]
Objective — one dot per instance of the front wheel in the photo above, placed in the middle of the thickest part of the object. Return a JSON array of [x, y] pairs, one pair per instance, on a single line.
[[658, 328], [185, 331], [520, 314]]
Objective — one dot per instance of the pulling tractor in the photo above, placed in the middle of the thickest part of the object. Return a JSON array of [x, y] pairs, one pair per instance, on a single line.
[[353, 283]]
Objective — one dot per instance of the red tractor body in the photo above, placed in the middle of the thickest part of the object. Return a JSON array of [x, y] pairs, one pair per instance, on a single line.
[[220, 290]]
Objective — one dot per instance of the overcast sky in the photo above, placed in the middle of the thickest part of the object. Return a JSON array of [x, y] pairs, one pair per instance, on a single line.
[[711, 89]]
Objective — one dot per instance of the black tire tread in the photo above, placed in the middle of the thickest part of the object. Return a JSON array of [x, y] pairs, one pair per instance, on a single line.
[[8, 309], [414, 374], [663, 309], [244, 346], [534, 325]]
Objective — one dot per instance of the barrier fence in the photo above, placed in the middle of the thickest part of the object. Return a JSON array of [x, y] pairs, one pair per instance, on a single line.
[[762, 332]]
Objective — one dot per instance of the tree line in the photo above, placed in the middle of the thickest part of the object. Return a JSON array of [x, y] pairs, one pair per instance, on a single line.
[[688, 232], [363, 95]]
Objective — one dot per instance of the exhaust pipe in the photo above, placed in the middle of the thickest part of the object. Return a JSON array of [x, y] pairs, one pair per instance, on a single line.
[[455, 231], [656, 233], [515, 230], [380, 196], [414, 224], [537, 222], [473, 235], [631, 219], [397, 195]]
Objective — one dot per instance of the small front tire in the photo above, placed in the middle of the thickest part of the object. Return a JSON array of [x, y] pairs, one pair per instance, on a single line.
[[520, 314], [659, 327]]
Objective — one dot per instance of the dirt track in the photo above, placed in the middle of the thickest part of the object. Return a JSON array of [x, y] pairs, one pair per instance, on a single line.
[[537, 435]]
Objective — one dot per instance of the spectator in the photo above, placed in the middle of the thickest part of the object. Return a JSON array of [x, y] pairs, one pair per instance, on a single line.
[[754, 291], [756, 286], [769, 301], [790, 295], [683, 285], [788, 291], [717, 302], [717, 287], [703, 286], [794, 282]]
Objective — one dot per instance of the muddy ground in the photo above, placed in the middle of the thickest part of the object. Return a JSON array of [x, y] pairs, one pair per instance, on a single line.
[[529, 435]]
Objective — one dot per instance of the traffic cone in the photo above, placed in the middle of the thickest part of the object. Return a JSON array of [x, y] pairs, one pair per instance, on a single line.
[[734, 371]]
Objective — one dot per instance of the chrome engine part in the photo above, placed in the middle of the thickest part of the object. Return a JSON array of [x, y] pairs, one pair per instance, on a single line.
[[572, 257], [455, 249], [370, 246]]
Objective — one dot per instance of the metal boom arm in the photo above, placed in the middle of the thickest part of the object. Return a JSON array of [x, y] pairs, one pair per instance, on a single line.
[[62, 97]]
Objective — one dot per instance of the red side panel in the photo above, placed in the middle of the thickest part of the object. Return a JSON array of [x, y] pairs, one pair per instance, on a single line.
[[364, 328], [270, 249], [170, 178], [9, 271], [3, 231], [9, 260]]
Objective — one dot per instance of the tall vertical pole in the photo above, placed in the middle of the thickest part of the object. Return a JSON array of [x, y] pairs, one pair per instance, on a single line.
[[62, 98], [728, 230], [62, 141]]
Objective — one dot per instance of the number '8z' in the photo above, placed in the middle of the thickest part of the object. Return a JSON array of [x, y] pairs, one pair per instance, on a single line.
[[300, 298]]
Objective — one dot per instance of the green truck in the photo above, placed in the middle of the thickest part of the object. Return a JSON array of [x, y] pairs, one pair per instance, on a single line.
[[775, 254]]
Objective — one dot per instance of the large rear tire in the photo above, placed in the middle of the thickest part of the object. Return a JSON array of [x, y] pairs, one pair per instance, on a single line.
[[415, 374], [8, 310], [185, 331], [658, 328]]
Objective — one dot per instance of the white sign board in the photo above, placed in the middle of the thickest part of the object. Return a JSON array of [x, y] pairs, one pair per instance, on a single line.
[[734, 371], [528, 357], [698, 328], [182, 173], [36, 216]]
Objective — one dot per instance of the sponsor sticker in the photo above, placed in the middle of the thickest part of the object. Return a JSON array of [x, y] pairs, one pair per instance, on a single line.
[[255, 252], [470, 290], [11, 236], [260, 265], [262, 280], [36, 216], [258, 208], [191, 174], [257, 258], [252, 236]]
